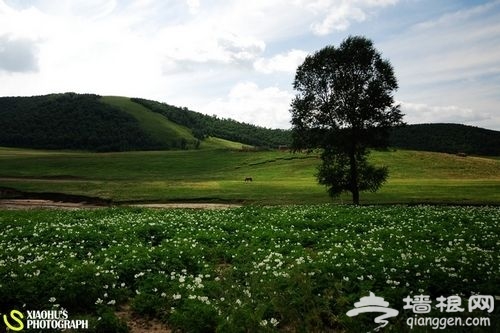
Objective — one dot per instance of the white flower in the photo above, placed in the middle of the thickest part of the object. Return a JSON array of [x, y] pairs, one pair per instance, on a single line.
[[263, 323], [52, 299], [177, 296], [274, 322]]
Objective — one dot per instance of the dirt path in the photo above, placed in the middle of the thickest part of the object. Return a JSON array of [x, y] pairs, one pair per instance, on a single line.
[[41, 203], [50, 204], [141, 325], [192, 205]]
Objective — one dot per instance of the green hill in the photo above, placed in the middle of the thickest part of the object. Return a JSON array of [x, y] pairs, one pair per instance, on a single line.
[[204, 126], [165, 133], [110, 123], [94, 123], [69, 121], [447, 138]]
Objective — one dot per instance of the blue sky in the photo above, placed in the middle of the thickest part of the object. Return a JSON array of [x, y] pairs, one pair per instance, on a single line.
[[237, 59]]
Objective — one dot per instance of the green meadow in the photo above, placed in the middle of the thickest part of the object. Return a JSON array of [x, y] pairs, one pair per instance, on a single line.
[[217, 175]]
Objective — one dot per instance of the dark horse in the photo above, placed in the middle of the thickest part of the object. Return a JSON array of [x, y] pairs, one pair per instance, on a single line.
[[248, 179]]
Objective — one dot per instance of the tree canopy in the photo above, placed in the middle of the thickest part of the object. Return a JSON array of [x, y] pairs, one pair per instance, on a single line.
[[344, 104]]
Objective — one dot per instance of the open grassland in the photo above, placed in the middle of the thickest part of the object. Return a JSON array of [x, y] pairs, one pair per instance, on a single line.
[[218, 175], [251, 269]]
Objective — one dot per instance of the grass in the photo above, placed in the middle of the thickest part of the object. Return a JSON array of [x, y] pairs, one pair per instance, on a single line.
[[164, 131], [217, 175], [218, 143], [159, 127], [252, 269]]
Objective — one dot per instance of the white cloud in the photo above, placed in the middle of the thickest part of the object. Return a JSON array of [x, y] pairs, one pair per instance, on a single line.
[[185, 52], [247, 102], [193, 5], [339, 18], [418, 113], [91, 9], [192, 53], [455, 46], [337, 15], [283, 62], [18, 55], [449, 66]]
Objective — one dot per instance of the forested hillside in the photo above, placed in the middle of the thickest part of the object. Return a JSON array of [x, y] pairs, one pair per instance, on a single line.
[[95, 123], [69, 121], [447, 138], [203, 126]]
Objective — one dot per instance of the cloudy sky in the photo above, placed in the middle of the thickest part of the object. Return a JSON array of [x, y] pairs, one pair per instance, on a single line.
[[238, 58]]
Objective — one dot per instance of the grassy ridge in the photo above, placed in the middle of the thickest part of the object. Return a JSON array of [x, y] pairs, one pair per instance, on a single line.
[[203, 125], [163, 131], [91, 122], [279, 177]]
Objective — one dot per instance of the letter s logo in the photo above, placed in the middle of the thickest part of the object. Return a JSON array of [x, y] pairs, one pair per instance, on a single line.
[[17, 316]]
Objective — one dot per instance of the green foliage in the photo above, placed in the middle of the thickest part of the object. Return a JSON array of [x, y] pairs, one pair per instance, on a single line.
[[69, 121], [447, 138], [289, 269], [345, 104], [108, 322], [334, 173]]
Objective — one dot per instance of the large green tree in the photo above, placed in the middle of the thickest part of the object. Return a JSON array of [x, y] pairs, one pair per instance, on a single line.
[[344, 105]]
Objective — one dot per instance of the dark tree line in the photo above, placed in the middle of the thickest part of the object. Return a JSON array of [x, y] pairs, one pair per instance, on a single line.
[[203, 126], [69, 121], [447, 138], [74, 121]]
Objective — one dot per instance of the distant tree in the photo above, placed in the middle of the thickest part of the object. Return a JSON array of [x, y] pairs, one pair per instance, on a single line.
[[344, 105]]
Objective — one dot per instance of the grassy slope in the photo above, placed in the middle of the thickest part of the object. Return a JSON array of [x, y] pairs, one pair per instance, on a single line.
[[217, 143], [160, 128], [279, 177]]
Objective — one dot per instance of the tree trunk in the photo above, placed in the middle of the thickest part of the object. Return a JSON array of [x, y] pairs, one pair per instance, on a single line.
[[354, 177], [355, 196]]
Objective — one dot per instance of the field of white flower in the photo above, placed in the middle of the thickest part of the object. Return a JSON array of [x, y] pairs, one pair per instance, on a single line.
[[251, 269]]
